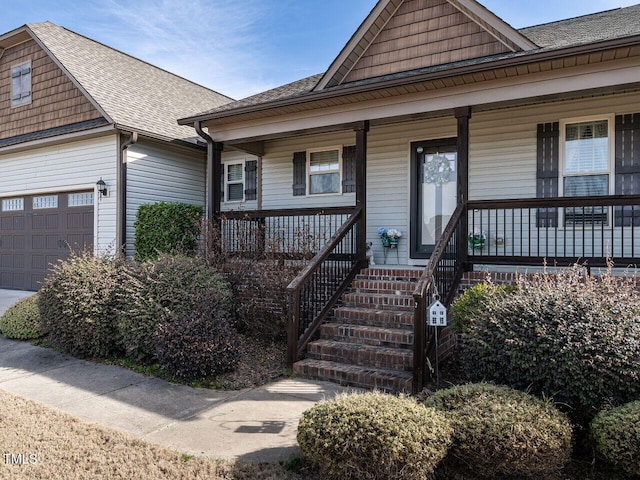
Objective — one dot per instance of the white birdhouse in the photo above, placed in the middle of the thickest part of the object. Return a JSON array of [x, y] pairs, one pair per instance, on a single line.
[[437, 315]]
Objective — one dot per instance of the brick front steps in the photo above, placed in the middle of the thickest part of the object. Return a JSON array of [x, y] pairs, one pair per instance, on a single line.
[[368, 342]]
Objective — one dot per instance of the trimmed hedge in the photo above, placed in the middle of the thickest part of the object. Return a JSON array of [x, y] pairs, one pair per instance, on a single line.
[[473, 303], [166, 228], [501, 431], [22, 320], [374, 436], [78, 305], [616, 435], [568, 335]]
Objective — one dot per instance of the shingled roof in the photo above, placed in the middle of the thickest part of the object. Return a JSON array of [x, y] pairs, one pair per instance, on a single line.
[[612, 24], [132, 94]]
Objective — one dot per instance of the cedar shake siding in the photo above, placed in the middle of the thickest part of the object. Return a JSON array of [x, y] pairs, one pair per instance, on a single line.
[[55, 100], [424, 33]]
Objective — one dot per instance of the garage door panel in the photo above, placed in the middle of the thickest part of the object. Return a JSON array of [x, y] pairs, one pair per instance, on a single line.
[[45, 222], [33, 239]]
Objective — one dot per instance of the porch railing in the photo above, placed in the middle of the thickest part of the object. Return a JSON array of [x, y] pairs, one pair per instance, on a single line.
[[560, 230], [290, 234], [441, 276], [314, 292]]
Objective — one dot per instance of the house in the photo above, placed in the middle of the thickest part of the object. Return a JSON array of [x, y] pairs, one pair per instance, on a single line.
[[87, 135], [484, 145]]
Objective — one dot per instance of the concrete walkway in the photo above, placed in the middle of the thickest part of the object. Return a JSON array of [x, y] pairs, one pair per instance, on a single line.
[[257, 424]]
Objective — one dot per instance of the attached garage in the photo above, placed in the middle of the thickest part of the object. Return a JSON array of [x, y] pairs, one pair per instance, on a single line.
[[38, 230]]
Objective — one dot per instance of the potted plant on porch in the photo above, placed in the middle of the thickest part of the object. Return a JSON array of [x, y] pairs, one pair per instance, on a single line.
[[390, 237]]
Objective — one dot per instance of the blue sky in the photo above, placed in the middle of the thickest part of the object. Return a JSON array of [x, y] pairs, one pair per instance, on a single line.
[[242, 47]]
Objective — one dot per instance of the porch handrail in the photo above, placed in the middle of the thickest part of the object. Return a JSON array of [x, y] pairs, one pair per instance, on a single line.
[[448, 243], [559, 230], [286, 212], [299, 337], [551, 202]]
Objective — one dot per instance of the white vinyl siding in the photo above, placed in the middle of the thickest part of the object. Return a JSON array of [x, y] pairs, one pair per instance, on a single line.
[[502, 160], [160, 173], [67, 167]]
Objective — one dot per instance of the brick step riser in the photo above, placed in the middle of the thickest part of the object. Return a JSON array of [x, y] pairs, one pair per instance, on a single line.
[[386, 319], [383, 288], [401, 360], [386, 278], [363, 336], [355, 378], [379, 302]]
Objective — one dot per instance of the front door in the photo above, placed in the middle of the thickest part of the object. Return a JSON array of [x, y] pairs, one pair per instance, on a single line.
[[433, 192]]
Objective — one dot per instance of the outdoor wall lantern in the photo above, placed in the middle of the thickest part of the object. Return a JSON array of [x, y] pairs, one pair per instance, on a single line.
[[102, 187]]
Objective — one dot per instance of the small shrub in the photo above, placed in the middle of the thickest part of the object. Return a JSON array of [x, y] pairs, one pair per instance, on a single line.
[[166, 228], [374, 436], [78, 305], [22, 320], [200, 343], [616, 435], [501, 431], [473, 302], [568, 335], [157, 291]]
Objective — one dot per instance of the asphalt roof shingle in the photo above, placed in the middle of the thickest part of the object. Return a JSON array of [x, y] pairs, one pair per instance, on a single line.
[[611, 24], [133, 93]]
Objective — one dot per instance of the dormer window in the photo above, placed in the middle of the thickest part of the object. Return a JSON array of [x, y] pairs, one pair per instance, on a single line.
[[21, 84]]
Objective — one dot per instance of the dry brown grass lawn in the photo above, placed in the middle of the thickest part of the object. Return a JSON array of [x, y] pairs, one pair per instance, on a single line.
[[52, 445]]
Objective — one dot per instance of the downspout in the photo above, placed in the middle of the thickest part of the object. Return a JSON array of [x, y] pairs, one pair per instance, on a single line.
[[121, 200], [214, 152]]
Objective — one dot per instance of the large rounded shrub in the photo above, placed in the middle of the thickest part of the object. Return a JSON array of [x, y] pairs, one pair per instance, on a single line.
[[199, 343], [374, 436], [22, 320], [568, 335], [473, 301], [616, 435], [501, 431], [78, 305], [157, 292]]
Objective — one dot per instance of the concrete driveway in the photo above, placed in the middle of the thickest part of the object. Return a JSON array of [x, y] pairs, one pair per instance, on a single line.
[[257, 424]]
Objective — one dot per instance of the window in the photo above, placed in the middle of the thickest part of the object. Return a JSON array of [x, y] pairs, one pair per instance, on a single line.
[[21, 84], [80, 199], [586, 170], [49, 201], [12, 204], [324, 171], [234, 182]]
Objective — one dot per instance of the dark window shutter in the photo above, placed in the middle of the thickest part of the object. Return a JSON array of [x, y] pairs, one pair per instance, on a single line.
[[222, 183], [627, 173], [547, 171], [299, 174], [250, 180], [349, 169]]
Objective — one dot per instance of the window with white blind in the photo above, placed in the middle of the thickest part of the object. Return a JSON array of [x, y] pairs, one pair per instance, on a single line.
[[21, 84], [324, 171], [586, 167], [234, 182]]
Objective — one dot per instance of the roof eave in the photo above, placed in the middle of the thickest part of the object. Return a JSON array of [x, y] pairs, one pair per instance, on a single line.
[[524, 58]]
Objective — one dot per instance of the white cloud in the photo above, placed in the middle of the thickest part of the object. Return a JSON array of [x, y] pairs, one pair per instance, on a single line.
[[212, 42]]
